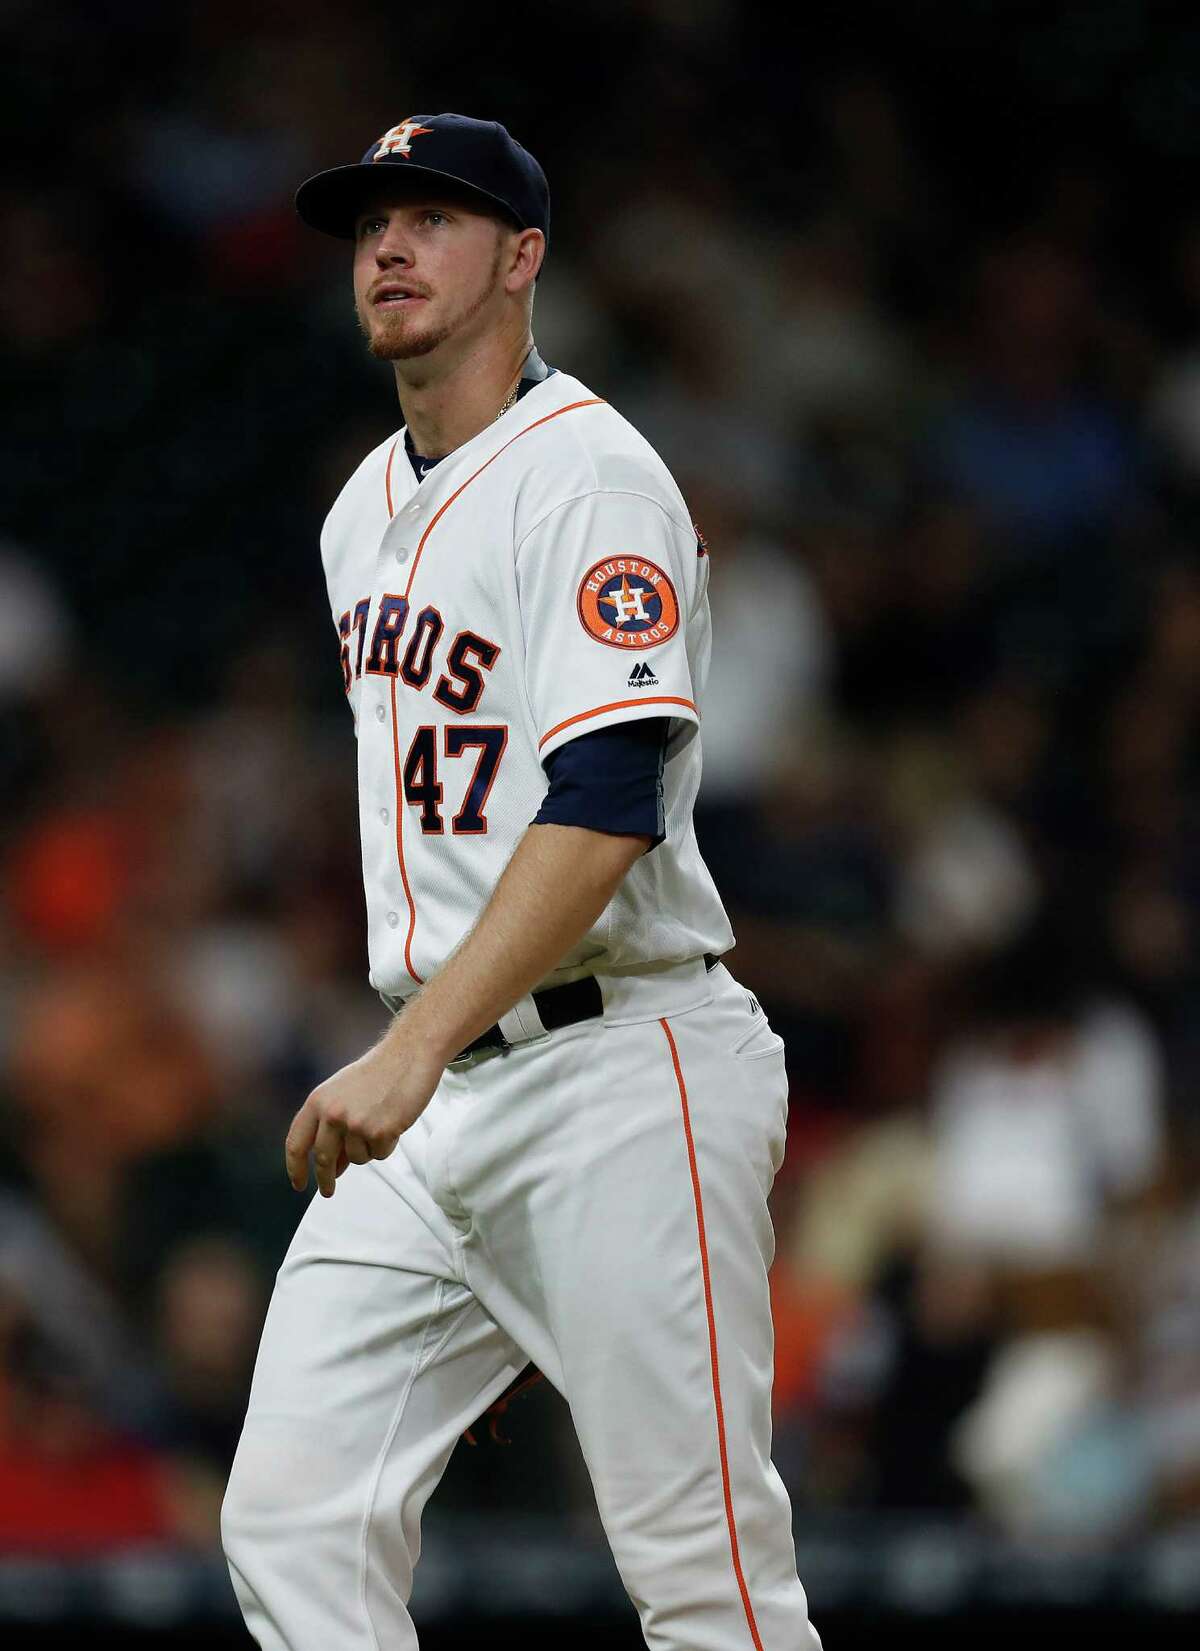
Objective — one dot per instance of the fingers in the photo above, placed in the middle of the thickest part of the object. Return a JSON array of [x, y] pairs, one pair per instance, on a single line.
[[334, 1142], [300, 1138], [357, 1150], [327, 1149], [360, 1147]]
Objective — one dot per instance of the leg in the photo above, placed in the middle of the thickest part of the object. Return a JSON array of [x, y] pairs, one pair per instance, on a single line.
[[374, 1358], [652, 1241]]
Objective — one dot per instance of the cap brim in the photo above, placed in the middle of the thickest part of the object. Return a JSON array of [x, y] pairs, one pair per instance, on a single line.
[[333, 201]]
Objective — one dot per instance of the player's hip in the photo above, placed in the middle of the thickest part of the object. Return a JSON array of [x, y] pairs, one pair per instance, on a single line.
[[639, 1080]]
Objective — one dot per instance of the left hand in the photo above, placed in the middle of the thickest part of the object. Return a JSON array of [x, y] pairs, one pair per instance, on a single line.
[[359, 1113]]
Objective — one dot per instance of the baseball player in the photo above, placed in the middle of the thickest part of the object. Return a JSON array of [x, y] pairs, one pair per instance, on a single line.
[[560, 1150]]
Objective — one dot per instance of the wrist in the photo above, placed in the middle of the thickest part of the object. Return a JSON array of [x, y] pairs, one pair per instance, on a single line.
[[422, 1027]]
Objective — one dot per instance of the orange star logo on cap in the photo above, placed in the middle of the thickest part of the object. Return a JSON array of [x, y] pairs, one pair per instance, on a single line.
[[398, 141]]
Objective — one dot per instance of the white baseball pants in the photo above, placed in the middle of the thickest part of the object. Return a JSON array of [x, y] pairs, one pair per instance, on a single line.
[[595, 1202]]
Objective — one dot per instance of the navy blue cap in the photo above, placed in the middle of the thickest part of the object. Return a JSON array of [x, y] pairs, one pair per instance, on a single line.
[[477, 157]]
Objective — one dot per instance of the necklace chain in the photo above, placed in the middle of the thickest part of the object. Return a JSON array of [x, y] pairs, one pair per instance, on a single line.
[[510, 401]]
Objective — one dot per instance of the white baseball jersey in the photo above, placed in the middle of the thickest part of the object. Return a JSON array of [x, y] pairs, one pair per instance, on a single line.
[[542, 581]]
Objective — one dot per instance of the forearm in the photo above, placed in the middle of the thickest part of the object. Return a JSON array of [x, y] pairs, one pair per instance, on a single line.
[[554, 888]]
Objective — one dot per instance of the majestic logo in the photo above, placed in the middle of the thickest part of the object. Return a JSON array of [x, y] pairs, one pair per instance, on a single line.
[[399, 140], [628, 603], [642, 676]]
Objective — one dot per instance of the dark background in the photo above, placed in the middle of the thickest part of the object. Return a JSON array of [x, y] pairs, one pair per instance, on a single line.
[[909, 299]]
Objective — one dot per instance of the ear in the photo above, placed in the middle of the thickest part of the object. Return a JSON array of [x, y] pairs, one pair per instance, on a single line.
[[526, 251]]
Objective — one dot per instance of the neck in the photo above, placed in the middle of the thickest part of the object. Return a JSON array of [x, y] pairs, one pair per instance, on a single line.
[[446, 403]]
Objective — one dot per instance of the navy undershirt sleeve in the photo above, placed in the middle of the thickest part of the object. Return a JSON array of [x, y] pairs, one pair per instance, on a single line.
[[610, 780]]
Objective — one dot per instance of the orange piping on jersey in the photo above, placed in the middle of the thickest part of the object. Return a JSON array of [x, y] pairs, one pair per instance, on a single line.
[[617, 705], [387, 478], [706, 1275], [593, 401], [400, 809]]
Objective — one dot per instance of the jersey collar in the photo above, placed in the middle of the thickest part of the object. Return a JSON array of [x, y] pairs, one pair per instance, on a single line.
[[533, 371]]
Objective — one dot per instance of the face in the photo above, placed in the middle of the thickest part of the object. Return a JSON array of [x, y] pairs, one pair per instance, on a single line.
[[425, 271]]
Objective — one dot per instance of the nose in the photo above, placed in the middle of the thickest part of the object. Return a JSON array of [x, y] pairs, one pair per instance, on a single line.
[[394, 246]]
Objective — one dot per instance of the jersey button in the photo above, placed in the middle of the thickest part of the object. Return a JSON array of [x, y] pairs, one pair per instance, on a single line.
[[393, 919], [384, 815], [380, 713], [403, 553]]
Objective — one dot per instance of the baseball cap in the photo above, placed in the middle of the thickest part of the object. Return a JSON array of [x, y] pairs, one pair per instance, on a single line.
[[475, 156]]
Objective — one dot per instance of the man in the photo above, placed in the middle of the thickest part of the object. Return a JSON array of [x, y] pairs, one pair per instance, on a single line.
[[561, 1149]]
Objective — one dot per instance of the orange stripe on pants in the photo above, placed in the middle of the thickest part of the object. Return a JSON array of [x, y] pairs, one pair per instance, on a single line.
[[714, 1364]]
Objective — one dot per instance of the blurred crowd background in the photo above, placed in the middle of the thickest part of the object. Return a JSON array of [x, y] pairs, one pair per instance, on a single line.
[[912, 308]]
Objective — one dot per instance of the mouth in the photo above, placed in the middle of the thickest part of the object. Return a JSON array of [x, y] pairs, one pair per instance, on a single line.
[[396, 297]]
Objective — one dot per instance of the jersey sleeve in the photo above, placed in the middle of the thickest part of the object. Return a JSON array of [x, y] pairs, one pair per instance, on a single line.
[[605, 583]]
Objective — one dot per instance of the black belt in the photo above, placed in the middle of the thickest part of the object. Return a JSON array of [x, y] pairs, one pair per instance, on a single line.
[[557, 1006]]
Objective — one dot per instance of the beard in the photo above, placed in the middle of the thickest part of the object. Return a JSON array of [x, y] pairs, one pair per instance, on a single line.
[[398, 340], [393, 337]]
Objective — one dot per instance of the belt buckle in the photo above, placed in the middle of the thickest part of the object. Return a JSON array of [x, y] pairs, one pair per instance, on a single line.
[[475, 1048]]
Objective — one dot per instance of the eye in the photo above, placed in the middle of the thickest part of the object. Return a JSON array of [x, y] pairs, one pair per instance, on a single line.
[[435, 216], [371, 226]]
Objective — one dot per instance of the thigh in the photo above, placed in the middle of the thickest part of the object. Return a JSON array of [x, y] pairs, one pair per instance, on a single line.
[[374, 1358], [644, 1229], [367, 1281], [670, 1243], [676, 1426]]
